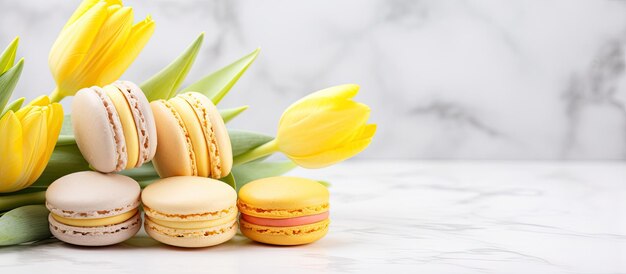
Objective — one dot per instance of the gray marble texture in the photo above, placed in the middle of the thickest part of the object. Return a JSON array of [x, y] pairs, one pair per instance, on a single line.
[[445, 79], [407, 217]]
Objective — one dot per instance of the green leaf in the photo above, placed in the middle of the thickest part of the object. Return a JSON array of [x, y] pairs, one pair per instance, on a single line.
[[8, 202], [143, 173], [24, 224], [66, 127], [256, 170], [218, 83], [231, 113], [145, 183], [7, 58], [324, 183], [8, 80], [230, 180], [13, 106], [66, 137], [242, 140], [66, 140], [166, 82]]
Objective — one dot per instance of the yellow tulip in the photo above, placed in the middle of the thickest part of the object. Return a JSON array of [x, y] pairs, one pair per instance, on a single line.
[[28, 139], [96, 46], [321, 129]]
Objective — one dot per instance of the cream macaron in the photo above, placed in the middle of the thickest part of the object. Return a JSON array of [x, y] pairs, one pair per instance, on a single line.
[[189, 211], [114, 126], [93, 209], [193, 140]]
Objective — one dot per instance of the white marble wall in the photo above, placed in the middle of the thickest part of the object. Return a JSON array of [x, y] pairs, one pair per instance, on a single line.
[[445, 79]]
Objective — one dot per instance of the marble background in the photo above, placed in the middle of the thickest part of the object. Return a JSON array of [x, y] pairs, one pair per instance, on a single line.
[[445, 79]]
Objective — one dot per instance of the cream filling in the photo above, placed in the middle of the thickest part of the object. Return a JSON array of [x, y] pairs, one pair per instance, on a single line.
[[209, 134], [140, 122], [124, 110], [196, 224], [96, 221]]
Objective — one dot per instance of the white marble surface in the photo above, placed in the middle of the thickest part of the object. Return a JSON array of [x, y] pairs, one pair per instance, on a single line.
[[408, 217], [475, 79]]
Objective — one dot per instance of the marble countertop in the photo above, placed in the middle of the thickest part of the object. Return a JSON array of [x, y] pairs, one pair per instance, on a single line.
[[408, 217]]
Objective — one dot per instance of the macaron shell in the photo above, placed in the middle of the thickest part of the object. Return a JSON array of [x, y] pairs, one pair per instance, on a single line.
[[95, 236], [174, 156], [90, 194], [283, 197], [195, 130], [98, 130], [294, 235], [126, 115], [144, 120], [191, 237], [222, 162], [189, 198]]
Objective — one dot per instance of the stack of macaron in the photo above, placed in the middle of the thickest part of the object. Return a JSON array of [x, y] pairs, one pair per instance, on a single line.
[[116, 128]]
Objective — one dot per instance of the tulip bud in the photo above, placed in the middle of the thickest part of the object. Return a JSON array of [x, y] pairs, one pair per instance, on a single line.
[[325, 127], [319, 130], [28, 139], [96, 46]]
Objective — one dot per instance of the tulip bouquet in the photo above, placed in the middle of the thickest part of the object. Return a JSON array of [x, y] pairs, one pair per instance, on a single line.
[[95, 47]]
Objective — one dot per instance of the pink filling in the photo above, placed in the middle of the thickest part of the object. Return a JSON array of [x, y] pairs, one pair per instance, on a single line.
[[304, 220]]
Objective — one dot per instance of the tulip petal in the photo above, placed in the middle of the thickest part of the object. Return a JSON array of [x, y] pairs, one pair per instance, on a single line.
[[42, 100], [54, 121], [21, 113], [318, 100], [11, 155], [85, 6], [368, 132], [73, 44], [35, 129], [137, 39], [111, 38], [334, 156], [336, 93], [320, 126]]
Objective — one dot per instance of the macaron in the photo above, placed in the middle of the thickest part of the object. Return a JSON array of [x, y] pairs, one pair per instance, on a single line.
[[193, 140], [93, 209], [284, 210], [114, 126], [188, 211]]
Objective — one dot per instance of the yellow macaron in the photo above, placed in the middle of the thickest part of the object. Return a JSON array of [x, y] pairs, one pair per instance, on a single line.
[[189, 211], [194, 139], [284, 210]]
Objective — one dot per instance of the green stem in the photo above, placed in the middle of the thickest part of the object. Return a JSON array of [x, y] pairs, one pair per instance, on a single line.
[[14, 201], [256, 153], [56, 96]]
